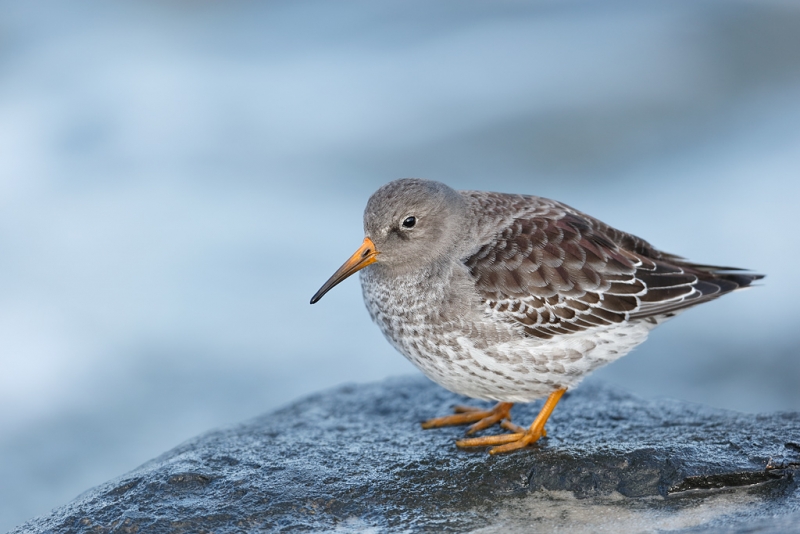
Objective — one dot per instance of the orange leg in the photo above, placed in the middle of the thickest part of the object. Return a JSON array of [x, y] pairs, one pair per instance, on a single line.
[[468, 414], [519, 437]]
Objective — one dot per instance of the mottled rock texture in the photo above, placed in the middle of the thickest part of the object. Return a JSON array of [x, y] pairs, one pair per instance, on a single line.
[[355, 458]]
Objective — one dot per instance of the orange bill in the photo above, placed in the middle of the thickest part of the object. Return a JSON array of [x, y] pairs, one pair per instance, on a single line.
[[365, 255]]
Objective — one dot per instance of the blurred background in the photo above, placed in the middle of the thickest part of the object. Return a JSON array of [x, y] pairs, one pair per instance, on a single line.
[[178, 178]]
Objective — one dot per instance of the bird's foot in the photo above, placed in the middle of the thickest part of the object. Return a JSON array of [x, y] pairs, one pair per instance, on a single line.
[[517, 439], [466, 414]]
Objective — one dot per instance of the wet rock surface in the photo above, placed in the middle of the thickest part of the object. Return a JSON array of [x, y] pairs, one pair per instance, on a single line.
[[355, 458]]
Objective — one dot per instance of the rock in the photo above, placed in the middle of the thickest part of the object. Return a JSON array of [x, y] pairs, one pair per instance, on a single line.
[[355, 458]]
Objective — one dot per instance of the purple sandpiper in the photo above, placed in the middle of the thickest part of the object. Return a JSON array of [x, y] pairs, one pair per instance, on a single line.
[[512, 298]]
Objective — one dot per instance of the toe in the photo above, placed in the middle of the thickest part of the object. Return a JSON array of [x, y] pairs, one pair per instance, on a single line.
[[457, 419], [487, 441]]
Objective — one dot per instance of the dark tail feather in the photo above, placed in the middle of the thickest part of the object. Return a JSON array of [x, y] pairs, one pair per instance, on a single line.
[[726, 278], [742, 279], [673, 287]]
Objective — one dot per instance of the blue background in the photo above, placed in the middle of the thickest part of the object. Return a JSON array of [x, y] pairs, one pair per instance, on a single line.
[[178, 178]]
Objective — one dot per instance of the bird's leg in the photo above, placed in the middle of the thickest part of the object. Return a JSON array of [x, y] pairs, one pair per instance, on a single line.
[[519, 437], [468, 414]]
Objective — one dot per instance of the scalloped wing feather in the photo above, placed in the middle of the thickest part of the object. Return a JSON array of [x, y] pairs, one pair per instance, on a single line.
[[552, 270]]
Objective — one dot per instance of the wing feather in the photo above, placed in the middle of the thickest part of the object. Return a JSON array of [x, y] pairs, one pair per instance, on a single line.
[[553, 270]]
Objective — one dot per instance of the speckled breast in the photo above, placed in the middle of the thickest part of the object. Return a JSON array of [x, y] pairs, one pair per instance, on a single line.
[[471, 353]]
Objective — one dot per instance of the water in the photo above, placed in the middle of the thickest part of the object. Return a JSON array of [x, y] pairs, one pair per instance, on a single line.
[[177, 179]]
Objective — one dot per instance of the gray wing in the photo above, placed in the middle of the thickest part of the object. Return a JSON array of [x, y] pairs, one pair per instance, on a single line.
[[553, 270]]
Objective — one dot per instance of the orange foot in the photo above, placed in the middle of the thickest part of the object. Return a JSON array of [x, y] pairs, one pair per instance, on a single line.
[[468, 414], [519, 437]]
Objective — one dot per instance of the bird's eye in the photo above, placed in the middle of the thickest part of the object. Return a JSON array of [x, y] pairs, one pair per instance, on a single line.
[[409, 222]]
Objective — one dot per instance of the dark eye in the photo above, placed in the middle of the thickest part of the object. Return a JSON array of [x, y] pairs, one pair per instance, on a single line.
[[409, 222]]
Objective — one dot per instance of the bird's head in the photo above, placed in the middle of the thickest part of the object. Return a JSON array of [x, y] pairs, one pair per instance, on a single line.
[[408, 224]]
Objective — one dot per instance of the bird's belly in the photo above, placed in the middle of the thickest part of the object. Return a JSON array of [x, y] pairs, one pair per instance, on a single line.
[[520, 369], [475, 356]]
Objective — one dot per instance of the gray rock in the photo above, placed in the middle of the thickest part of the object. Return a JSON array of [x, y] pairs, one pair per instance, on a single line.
[[355, 459]]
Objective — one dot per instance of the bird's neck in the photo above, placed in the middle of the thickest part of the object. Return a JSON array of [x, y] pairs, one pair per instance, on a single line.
[[416, 290]]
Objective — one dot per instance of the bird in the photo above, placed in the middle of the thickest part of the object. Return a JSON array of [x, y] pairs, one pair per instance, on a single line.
[[513, 298]]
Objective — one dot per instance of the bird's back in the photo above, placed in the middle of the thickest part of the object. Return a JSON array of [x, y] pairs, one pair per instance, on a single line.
[[556, 271]]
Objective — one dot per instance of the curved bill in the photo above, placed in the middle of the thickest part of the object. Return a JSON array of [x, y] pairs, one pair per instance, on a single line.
[[365, 255]]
